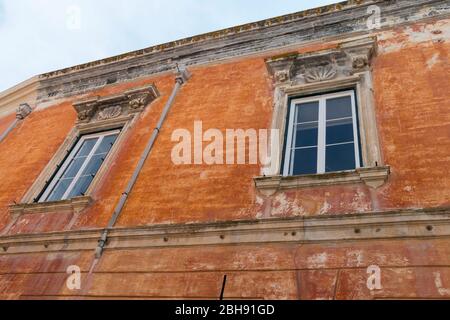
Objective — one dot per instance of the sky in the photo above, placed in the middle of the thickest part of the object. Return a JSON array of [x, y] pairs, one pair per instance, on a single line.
[[38, 36]]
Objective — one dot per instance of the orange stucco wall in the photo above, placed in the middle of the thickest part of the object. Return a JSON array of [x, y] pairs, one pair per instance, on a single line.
[[411, 81], [325, 271]]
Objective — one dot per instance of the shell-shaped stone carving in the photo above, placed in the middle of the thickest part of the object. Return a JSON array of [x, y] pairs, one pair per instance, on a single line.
[[109, 113], [320, 73]]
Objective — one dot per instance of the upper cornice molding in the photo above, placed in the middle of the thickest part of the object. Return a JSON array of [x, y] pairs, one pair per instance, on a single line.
[[329, 23], [216, 35], [24, 92]]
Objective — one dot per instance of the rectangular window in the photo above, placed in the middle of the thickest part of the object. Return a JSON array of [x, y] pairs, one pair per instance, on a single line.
[[322, 135], [75, 175]]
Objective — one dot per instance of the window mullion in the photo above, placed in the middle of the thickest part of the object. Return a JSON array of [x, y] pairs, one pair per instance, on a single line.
[[85, 163], [322, 136]]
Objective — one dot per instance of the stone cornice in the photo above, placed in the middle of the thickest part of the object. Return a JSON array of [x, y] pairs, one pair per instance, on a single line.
[[402, 224], [21, 89], [336, 21], [11, 99], [219, 34]]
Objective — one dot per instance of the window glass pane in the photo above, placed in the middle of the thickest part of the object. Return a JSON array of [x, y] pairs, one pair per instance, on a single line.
[[106, 144], [74, 167], [305, 161], [339, 108], [93, 165], [339, 131], [59, 190], [308, 112], [307, 134], [81, 187], [340, 157], [86, 147]]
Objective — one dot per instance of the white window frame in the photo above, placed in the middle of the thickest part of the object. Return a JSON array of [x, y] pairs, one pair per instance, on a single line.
[[68, 160], [322, 123]]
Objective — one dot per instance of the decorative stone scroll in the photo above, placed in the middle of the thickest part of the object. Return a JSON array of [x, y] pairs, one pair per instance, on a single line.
[[346, 60], [106, 108]]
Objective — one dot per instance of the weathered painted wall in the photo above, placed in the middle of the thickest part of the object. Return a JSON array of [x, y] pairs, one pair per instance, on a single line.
[[411, 80], [410, 269], [6, 121]]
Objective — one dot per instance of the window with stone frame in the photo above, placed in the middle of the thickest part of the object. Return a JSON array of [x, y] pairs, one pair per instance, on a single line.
[[79, 169], [68, 181], [324, 110]]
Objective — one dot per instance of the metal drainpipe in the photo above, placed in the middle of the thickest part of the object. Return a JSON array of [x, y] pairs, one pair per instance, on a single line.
[[22, 112], [182, 77]]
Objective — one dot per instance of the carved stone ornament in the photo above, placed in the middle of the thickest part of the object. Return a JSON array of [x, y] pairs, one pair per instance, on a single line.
[[320, 73], [360, 62], [282, 76], [347, 59], [109, 113], [137, 103], [106, 108], [282, 67], [23, 111]]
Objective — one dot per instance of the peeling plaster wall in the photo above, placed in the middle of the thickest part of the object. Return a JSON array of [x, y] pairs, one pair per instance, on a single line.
[[412, 97], [406, 94], [411, 80], [6, 121], [410, 269]]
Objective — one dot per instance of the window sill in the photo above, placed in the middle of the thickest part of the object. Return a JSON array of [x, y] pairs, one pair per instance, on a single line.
[[74, 205], [373, 177]]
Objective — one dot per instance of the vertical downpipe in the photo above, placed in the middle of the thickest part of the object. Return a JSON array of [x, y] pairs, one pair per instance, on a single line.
[[182, 77], [22, 112]]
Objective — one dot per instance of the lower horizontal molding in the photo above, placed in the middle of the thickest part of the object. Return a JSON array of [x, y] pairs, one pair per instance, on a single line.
[[373, 177], [404, 224]]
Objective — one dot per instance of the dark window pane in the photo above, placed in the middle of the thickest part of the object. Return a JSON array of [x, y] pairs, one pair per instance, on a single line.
[[340, 157], [81, 187], [307, 135], [86, 148], [59, 190], [106, 144], [305, 161], [93, 165], [308, 112], [339, 131], [339, 108], [74, 167]]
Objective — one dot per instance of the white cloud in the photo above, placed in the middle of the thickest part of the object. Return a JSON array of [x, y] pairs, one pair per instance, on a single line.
[[38, 36]]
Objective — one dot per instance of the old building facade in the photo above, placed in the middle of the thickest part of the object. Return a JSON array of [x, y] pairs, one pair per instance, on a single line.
[[358, 186]]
